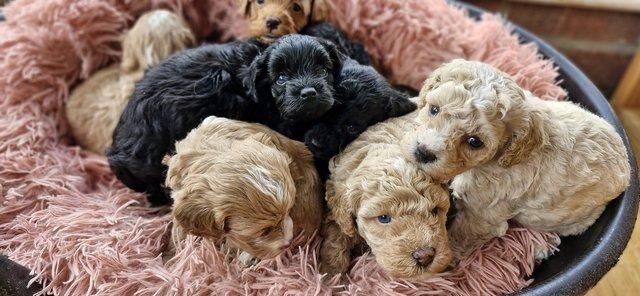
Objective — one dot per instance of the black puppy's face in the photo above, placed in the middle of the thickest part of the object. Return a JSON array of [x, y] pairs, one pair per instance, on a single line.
[[300, 70]]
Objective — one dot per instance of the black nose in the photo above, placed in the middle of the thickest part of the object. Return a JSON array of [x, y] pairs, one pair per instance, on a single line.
[[424, 155], [423, 256], [272, 23], [308, 93]]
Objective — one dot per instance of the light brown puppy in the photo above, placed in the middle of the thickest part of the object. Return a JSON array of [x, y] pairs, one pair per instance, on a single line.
[[245, 183], [378, 198], [94, 107], [270, 19], [550, 166]]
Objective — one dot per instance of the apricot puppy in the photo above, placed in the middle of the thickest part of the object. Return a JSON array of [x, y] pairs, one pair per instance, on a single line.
[[270, 19], [550, 166], [244, 183], [378, 198], [94, 107]]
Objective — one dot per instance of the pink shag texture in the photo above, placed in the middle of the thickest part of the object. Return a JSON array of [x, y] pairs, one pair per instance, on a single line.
[[65, 216]]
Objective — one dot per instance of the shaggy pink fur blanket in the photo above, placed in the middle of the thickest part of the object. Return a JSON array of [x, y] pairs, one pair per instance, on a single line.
[[65, 216]]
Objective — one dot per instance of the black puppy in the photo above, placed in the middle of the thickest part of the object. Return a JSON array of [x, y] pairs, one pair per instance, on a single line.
[[171, 100], [323, 97], [351, 48]]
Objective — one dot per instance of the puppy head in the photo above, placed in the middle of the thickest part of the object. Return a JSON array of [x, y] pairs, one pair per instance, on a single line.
[[270, 19], [298, 72], [244, 196], [156, 35], [471, 114], [401, 214]]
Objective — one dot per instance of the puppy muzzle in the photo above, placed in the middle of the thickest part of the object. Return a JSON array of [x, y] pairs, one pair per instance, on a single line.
[[306, 102]]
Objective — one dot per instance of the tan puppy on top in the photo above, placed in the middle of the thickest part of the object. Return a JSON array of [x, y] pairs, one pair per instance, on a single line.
[[378, 198], [271, 19], [245, 183], [94, 107], [550, 166]]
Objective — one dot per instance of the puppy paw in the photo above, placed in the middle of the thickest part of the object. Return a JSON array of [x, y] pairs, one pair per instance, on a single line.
[[542, 252], [247, 260], [322, 141]]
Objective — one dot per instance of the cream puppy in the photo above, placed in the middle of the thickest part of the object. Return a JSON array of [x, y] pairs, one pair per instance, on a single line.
[[380, 200], [549, 166]]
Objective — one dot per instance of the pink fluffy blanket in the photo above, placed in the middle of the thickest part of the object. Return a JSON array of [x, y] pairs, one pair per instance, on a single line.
[[65, 216]]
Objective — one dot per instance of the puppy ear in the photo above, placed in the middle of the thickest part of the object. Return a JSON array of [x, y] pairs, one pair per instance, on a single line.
[[456, 70], [527, 132], [256, 77], [399, 104], [342, 211], [334, 54], [244, 7], [129, 55], [195, 214], [155, 36], [319, 10]]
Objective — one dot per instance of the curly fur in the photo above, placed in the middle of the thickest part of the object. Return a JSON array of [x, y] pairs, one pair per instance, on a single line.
[[176, 96], [245, 183], [307, 21], [349, 96], [94, 107], [370, 179], [172, 99], [53, 193], [549, 166]]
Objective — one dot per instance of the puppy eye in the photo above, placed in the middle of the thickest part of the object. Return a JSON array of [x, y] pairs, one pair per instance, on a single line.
[[324, 73], [282, 79], [474, 142], [296, 7], [352, 129], [434, 110], [384, 219], [260, 2], [435, 211]]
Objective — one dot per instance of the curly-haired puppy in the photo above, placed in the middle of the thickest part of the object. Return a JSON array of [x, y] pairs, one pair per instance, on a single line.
[[379, 198], [245, 183], [322, 96], [272, 19], [172, 99], [94, 107], [550, 166]]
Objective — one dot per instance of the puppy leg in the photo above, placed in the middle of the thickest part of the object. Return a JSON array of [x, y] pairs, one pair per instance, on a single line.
[[247, 259], [471, 229], [335, 252]]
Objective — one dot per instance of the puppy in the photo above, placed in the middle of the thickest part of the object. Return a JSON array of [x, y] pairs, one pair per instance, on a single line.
[[322, 96], [172, 99], [94, 107], [290, 87], [377, 197], [550, 166], [245, 183], [272, 19]]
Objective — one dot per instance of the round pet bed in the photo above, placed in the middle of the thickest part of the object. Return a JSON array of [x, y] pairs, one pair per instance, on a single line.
[[80, 231]]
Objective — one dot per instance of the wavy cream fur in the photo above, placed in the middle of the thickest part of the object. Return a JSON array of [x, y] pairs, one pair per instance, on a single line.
[[549, 166], [94, 107]]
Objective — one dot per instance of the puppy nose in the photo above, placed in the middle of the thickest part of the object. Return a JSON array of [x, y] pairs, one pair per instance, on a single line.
[[424, 155], [423, 256], [272, 23], [308, 93]]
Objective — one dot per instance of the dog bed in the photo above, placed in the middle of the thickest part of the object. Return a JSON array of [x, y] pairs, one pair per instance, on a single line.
[[81, 232]]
